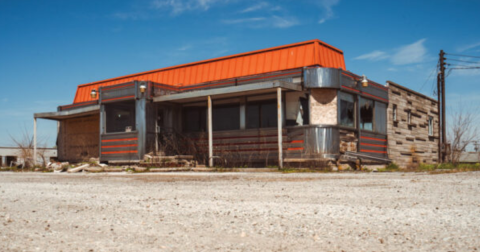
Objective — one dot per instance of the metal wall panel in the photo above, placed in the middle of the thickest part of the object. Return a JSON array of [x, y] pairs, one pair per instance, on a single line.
[[319, 77], [322, 140]]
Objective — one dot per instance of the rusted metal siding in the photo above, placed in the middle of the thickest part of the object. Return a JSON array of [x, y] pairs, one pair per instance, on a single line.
[[308, 53]]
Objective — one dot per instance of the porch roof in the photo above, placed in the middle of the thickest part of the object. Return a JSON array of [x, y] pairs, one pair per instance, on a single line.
[[59, 115], [225, 92]]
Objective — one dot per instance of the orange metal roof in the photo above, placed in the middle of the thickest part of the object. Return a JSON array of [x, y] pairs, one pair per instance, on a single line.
[[307, 53]]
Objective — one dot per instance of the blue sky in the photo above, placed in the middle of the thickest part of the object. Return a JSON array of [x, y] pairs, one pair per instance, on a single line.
[[47, 48]]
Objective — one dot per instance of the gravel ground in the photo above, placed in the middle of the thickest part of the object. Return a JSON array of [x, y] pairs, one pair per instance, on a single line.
[[240, 212]]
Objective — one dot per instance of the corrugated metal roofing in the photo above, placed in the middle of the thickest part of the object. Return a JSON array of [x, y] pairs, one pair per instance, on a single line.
[[307, 53]]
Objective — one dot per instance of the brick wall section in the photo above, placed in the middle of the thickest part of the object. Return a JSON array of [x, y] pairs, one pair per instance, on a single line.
[[78, 138], [410, 144], [323, 106]]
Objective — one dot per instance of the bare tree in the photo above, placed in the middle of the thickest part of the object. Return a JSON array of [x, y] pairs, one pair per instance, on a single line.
[[25, 145], [463, 130]]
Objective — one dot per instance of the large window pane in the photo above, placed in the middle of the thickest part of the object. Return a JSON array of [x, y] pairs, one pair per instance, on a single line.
[[262, 114], [253, 116], [120, 116], [269, 115], [226, 117], [366, 114], [194, 119], [381, 117], [347, 110]]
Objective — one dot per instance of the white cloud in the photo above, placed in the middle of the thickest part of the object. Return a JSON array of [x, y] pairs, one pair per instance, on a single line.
[[243, 20], [373, 56], [284, 22], [328, 13], [255, 7], [468, 47], [177, 7], [262, 22], [184, 48], [409, 54]]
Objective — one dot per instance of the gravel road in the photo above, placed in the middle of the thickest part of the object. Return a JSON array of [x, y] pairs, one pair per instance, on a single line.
[[240, 212]]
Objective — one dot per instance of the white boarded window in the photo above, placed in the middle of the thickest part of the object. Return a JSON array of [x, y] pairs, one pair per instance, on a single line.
[[430, 126]]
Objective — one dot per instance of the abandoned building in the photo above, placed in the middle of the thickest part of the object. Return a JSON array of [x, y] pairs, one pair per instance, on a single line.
[[291, 103], [14, 156]]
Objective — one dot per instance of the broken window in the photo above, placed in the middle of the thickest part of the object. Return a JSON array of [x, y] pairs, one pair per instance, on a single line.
[[366, 114], [296, 106], [120, 116], [347, 110]]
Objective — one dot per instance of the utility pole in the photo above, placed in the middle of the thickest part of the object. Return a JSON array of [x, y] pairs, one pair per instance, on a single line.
[[439, 99], [444, 131]]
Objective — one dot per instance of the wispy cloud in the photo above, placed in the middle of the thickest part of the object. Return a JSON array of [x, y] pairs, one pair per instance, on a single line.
[[177, 7], [262, 22], [244, 20], [404, 55], [373, 56], [185, 48], [409, 54], [468, 47], [327, 6], [256, 7]]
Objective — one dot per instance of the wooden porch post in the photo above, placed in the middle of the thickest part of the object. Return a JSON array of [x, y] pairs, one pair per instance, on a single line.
[[34, 141], [210, 137], [279, 124]]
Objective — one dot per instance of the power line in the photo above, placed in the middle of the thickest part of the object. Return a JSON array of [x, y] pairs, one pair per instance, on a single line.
[[430, 76], [462, 55], [465, 68], [466, 61], [463, 65]]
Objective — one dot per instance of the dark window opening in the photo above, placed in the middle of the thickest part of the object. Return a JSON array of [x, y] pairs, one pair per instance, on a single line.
[[347, 110], [226, 117], [194, 119], [120, 116], [262, 114], [366, 114]]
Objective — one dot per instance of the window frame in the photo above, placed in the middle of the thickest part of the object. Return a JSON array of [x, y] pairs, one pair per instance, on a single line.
[[355, 104], [113, 108], [430, 126], [359, 114], [394, 113]]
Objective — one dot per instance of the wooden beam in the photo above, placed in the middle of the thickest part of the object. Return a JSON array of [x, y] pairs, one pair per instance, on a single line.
[[34, 141], [210, 137], [279, 124]]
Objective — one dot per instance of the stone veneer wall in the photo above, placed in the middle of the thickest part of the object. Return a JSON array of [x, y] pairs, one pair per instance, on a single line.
[[323, 106], [348, 141], [410, 144]]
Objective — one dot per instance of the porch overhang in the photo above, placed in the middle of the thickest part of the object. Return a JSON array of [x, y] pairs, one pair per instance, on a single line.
[[60, 115], [226, 92]]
